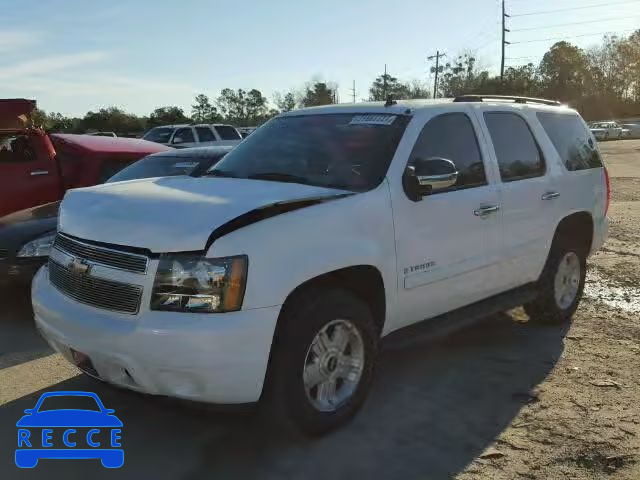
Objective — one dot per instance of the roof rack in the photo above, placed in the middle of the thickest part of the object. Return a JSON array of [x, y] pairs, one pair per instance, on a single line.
[[516, 99]]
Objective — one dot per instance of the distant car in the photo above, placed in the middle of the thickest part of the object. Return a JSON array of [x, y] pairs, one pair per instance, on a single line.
[[103, 134], [27, 236], [246, 131], [633, 129], [606, 130], [53, 412], [184, 136]]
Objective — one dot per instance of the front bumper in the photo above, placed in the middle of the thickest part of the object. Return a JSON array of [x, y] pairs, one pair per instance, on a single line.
[[218, 358]]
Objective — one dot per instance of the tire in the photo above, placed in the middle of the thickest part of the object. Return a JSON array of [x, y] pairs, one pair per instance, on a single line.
[[290, 400], [560, 286]]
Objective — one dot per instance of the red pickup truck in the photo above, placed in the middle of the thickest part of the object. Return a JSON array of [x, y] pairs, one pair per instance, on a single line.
[[37, 168]]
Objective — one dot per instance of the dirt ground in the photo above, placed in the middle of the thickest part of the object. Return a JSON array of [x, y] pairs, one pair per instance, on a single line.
[[505, 399], [583, 420]]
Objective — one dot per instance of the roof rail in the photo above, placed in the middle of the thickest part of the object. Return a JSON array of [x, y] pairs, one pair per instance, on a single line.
[[516, 99]]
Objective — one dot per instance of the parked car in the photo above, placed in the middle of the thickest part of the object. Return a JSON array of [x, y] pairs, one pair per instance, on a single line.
[[37, 168], [26, 237], [183, 136], [275, 276], [633, 129], [103, 134], [246, 131], [607, 130]]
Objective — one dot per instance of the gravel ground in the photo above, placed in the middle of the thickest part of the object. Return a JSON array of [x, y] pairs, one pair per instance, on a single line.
[[503, 400]]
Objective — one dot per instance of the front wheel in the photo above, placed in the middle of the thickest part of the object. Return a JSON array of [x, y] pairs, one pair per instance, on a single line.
[[560, 286], [323, 361]]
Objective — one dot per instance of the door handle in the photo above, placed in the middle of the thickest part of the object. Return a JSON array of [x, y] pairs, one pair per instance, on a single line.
[[36, 173], [550, 195], [486, 210]]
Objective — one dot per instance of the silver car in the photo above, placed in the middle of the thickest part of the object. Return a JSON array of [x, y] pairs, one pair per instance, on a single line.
[[201, 135]]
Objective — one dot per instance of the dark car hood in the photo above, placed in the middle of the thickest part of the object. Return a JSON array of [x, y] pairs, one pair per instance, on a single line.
[[66, 418], [25, 225]]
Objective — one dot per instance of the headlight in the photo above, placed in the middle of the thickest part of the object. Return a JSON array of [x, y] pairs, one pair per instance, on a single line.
[[40, 247], [188, 283]]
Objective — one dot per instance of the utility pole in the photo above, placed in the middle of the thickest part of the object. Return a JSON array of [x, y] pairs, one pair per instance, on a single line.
[[504, 42], [436, 70], [384, 83], [353, 91]]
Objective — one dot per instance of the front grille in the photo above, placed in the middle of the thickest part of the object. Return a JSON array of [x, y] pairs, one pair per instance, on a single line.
[[130, 262], [97, 292]]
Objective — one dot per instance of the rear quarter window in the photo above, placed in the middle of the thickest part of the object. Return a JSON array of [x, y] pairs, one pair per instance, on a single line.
[[571, 139], [227, 133]]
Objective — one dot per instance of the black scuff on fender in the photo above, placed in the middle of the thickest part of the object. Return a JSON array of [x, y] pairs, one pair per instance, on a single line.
[[267, 211]]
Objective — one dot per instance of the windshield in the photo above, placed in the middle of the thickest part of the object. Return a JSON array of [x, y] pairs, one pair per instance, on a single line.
[[67, 402], [165, 166], [345, 151]]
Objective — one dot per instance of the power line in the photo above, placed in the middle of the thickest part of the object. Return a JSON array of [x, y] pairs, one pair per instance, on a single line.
[[573, 23], [573, 36], [544, 12]]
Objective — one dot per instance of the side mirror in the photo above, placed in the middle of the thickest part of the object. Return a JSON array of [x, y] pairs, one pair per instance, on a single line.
[[29, 411], [109, 411], [177, 140], [424, 176]]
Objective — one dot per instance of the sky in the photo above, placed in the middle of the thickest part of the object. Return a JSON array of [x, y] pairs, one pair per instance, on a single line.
[[73, 56]]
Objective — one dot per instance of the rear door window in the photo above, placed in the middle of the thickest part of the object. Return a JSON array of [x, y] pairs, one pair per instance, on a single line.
[[572, 140], [517, 152], [227, 132], [205, 134], [183, 135]]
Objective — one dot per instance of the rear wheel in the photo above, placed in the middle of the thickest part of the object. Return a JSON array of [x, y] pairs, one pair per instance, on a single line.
[[323, 361], [560, 286]]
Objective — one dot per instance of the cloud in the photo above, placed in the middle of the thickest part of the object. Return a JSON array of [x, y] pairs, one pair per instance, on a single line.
[[16, 41], [46, 65]]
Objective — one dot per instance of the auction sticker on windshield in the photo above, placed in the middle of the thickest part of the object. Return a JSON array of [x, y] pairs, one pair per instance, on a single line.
[[372, 119], [69, 425]]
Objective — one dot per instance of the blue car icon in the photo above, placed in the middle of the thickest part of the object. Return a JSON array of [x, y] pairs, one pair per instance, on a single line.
[[84, 432]]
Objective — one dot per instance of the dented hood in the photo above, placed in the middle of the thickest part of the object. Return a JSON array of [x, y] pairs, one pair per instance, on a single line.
[[172, 214], [15, 113]]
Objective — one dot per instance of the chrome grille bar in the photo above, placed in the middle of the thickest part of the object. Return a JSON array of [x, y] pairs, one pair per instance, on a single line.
[[94, 291], [119, 259]]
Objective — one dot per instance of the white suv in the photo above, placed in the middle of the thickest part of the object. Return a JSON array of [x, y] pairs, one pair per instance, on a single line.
[[201, 135], [275, 277]]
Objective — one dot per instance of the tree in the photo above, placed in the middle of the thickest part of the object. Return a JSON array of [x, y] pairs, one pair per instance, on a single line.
[[563, 70], [202, 111], [461, 76], [112, 119], [318, 93], [285, 103], [386, 85], [256, 108], [167, 116]]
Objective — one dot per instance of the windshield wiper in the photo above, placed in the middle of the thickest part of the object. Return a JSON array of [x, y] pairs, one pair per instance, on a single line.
[[219, 173], [279, 177]]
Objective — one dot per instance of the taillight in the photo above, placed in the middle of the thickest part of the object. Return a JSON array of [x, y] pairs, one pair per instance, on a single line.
[[608, 184]]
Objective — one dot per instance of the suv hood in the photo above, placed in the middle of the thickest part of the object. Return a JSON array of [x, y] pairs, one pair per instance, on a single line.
[[171, 214], [15, 113]]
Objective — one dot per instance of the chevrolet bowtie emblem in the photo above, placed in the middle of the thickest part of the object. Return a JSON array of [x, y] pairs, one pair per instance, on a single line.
[[79, 266]]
